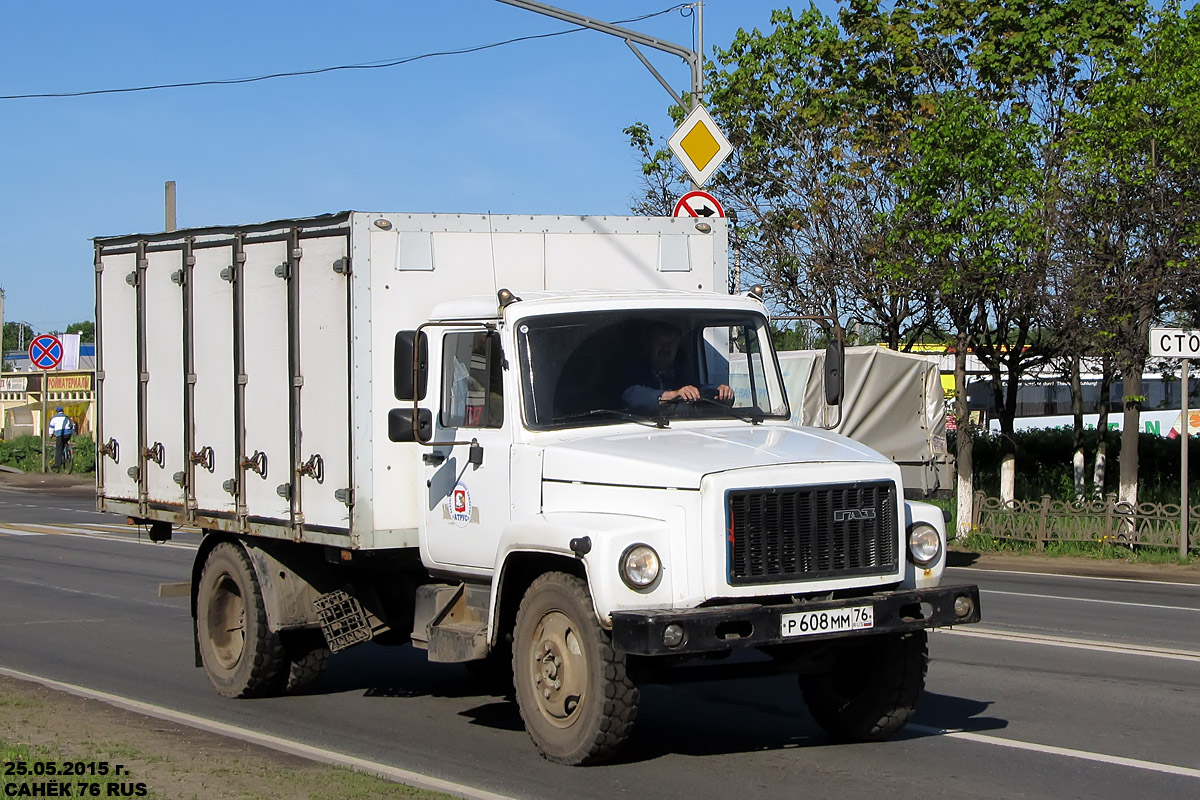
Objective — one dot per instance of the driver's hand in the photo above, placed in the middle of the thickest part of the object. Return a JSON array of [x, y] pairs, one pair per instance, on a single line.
[[688, 393], [724, 392]]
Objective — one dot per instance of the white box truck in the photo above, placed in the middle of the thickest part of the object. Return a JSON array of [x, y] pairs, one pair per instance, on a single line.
[[458, 432]]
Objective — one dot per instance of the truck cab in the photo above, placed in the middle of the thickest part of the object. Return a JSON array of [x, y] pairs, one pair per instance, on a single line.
[[694, 527]]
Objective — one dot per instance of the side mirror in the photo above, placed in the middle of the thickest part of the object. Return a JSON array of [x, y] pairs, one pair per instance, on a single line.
[[835, 364], [400, 425], [409, 378]]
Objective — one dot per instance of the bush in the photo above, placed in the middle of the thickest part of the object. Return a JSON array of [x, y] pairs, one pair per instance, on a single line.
[[1044, 465], [24, 453]]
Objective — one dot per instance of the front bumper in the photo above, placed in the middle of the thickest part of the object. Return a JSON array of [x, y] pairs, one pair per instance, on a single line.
[[724, 628]]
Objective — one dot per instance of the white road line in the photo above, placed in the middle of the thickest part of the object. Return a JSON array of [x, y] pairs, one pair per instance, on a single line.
[[15, 532], [1072, 577], [1086, 755], [72, 621], [37, 529], [1091, 600], [70, 590], [1074, 644], [289, 746]]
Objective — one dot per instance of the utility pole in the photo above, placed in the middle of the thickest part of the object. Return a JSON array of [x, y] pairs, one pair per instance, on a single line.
[[169, 191]]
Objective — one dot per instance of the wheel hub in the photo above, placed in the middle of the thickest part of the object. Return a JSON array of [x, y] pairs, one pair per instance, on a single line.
[[226, 626], [560, 669]]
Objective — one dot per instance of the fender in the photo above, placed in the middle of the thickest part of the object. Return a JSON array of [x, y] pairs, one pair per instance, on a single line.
[[923, 577], [290, 579], [610, 534]]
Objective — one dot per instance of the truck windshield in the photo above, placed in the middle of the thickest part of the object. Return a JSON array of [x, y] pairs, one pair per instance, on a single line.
[[604, 367]]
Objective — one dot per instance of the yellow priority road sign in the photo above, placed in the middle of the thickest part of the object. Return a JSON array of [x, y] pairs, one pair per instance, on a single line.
[[699, 145]]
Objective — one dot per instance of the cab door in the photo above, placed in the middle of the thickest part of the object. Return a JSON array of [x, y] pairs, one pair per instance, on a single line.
[[466, 506]]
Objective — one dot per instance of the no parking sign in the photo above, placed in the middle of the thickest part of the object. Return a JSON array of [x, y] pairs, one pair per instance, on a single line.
[[46, 351]]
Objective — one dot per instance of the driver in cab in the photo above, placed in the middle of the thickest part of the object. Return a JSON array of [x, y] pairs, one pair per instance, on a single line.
[[655, 380]]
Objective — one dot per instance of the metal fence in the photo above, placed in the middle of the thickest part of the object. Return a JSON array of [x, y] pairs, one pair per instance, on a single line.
[[1105, 521]]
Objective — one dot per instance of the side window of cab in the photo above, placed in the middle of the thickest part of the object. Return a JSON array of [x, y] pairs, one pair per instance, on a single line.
[[472, 381]]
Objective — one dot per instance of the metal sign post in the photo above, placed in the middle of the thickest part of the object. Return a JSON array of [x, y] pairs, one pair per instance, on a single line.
[[42, 437], [1182, 344], [1183, 463], [45, 353]]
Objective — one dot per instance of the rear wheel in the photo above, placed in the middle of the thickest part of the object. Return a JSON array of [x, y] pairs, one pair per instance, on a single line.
[[307, 657], [872, 689], [241, 656], [573, 689]]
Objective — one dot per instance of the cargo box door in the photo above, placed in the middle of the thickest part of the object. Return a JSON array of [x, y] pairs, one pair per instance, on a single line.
[[213, 391], [268, 400], [166, 460], [324, 457], [118, 385]]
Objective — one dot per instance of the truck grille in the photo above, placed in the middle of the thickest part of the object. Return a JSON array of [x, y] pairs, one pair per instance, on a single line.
[[805, 532]]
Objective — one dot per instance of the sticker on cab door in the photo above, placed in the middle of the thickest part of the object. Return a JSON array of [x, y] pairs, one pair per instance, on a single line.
[[459, 509]]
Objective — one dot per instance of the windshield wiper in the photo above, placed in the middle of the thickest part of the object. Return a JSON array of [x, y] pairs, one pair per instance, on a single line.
[[641, 419], [753, 417]]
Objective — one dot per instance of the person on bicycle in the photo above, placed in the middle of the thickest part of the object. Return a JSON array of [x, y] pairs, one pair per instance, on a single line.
[[62, 429]]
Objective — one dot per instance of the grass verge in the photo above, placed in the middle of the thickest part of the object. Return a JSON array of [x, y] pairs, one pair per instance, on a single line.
[[43, 731]]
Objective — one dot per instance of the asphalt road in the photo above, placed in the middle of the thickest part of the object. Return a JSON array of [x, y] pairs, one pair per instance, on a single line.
[[1072, 687]]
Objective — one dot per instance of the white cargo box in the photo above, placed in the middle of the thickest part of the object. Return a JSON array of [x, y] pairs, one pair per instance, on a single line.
[[245, 372]]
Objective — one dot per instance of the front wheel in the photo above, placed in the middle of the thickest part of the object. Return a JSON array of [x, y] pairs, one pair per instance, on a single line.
[[574, 691], [872, 689]]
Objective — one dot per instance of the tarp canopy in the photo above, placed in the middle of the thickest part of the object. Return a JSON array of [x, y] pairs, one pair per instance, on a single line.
[[893, 403]]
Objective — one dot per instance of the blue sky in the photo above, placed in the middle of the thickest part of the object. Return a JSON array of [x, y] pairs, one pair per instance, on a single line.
[[532, 127]]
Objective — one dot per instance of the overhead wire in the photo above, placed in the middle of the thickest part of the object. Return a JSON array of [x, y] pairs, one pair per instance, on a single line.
[[384, 64]]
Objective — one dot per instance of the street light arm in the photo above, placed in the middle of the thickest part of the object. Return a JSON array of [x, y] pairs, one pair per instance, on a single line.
[[690, 57], [674, 95], [606, 27]]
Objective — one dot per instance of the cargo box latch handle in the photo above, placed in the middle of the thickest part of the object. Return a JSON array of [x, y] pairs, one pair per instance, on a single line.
[[256, 463], [313, 468], [204, 458], [155, 453]]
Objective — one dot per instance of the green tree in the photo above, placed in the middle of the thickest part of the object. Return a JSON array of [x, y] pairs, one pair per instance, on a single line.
[[17, 335], [1136, 197], [86, 330]]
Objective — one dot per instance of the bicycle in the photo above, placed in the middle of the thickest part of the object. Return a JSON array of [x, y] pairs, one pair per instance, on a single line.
[[68, 458]]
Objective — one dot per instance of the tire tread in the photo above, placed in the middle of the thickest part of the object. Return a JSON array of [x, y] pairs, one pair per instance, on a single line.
[[619, 709]]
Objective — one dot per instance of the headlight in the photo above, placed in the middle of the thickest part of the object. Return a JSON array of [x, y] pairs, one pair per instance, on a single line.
[[639, 566], [924, 544]]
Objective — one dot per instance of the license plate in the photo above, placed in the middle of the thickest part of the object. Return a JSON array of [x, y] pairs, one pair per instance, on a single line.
[[834, 620]]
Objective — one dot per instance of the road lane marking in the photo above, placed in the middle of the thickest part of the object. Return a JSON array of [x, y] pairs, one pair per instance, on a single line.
[[1049, 749], [278, 743], [1075, 644], [1092, 600], [69, 590], [71, 621], [17, 532], [1074, 577], [132, 537]]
